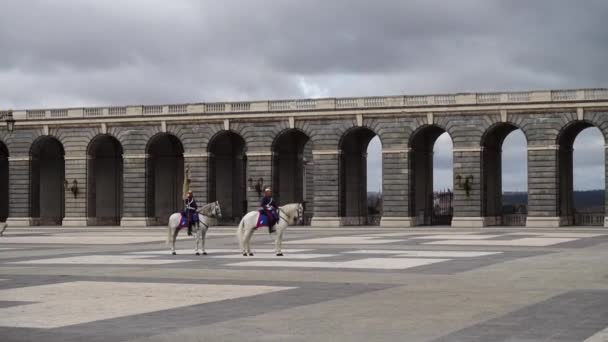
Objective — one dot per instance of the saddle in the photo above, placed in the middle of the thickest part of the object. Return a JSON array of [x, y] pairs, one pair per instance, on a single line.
[[264, 220], [183, 222]]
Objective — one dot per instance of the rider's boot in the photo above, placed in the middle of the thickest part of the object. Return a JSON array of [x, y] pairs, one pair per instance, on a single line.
[[190, 229], [271, 229]]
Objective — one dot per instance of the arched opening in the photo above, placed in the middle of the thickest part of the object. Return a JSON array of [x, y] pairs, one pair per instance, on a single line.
[[353, 176], [3, 182], [581, 175], [431, 172], [227, 163], [504, 176], [104, 177], [164, 177], [292, 152], [47, 176]]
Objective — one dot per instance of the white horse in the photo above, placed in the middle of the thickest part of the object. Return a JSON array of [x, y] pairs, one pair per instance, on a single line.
[[288, 214], [3, 226], [200, 230]]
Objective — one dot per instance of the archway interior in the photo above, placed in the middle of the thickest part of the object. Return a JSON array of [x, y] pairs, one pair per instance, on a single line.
[[104, 170], [426, 207], [585, 151], [227, 162], [47, 172], [165, 176], [4, 200], [291, 169], [353, 176], [494, 170]]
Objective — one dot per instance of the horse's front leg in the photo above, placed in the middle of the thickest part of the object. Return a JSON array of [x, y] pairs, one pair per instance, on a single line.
[[278, 244], [203, 237], [197, 240]]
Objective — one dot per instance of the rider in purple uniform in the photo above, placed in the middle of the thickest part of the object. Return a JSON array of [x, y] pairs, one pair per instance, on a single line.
[[269, 208], [190, 211]]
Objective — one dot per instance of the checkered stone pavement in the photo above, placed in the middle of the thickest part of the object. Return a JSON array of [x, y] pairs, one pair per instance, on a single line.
[[332, 284]]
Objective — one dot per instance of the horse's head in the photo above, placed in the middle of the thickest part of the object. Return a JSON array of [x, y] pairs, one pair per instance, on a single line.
[[217, 211], [299, 218]]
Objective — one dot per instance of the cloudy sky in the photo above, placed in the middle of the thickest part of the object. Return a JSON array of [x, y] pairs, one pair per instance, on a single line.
[[83, 52]]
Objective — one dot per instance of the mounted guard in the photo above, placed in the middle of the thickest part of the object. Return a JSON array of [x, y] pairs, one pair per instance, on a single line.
[[269, 209], [190, 211]]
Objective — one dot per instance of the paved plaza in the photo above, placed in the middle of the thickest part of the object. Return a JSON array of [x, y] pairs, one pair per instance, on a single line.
[[341, 284]]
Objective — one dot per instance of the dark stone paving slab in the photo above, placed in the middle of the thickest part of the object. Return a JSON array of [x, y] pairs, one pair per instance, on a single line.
[[572, 316]]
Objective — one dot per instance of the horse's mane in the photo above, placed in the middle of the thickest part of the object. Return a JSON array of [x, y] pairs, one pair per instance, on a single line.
[[290, 207], [206, 209]]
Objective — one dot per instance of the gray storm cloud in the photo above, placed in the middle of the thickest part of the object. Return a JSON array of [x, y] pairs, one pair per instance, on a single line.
[[88, 52]]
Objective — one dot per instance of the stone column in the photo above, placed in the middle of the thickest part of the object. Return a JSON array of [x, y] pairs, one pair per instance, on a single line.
[[543, 187], [134, 190], [606, 186], [19, 191], [75, 205], [197, 162], [467, 189], [326, 185], [259, 166], [395, 188]]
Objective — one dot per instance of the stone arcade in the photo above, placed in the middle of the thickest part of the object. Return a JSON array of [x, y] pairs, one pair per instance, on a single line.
[[125, 165]]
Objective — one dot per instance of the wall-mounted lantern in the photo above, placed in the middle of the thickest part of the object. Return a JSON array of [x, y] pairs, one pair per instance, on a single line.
[[10, 122], [74, 188], [467, 184]]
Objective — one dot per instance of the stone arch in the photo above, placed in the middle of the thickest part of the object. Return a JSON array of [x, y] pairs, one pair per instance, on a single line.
[[352, 172], [292, 167], [227, 174], [47, 177], [164, 177], [565, 168], [104, 180], [491, 172], [421, 144], [4, 199]]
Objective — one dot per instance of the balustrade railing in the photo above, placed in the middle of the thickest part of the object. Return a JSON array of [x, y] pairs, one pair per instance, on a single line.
[[568, 95]]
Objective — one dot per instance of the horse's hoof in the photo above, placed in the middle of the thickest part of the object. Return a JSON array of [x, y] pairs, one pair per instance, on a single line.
[[250, 254], [197, 253], [204, 253], [279, 254], [244, 254], [174, 253]]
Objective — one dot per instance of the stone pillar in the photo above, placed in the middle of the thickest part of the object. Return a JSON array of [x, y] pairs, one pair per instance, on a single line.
[[606, 186], [326, 185], [134, 190], [259, 166], [19, 191], [197, 162], [467, 189], [75, 206], [543, 187], [395, 188]]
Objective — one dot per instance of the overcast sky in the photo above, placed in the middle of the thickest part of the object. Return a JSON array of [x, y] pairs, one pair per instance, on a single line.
[[115, 52]]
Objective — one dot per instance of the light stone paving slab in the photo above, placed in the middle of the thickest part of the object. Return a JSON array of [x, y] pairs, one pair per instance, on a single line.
[[59, 305], [79, 240], [524, 242], [455, 237], [218, 250], [367, 263], [342, 240], [426, 254], [272, 255], [101, 260], [561, 235]]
